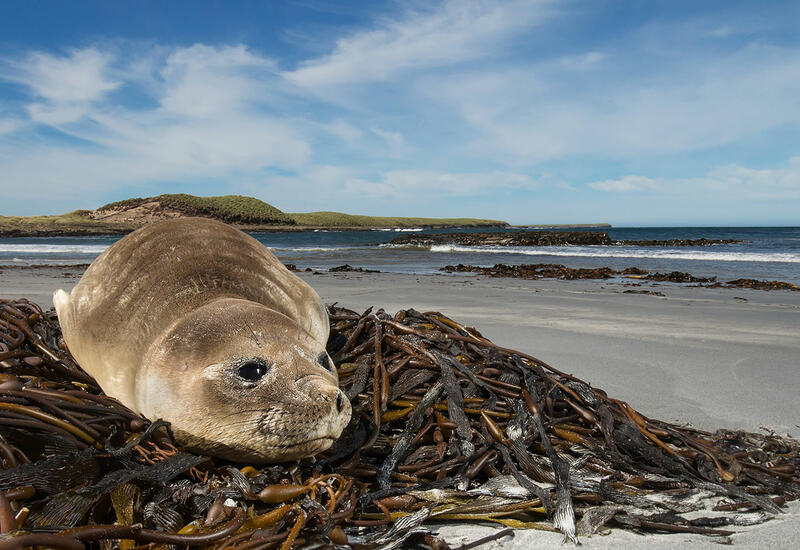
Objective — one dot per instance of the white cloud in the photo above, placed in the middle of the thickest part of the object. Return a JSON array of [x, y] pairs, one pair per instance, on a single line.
[[455, 32], [9, 125], [431, 183], [346, 183], [627, 183], [64, 86], [343, 130], [394, 140], [729, 182], [80, 76], [228, 152], [56, 114], [203, 81], [529, 112], [206, 115]]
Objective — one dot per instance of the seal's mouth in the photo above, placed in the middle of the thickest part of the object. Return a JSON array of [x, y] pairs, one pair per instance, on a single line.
[[305, 448]]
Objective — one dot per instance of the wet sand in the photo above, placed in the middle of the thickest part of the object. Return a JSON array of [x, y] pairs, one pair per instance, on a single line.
[[715, 358]]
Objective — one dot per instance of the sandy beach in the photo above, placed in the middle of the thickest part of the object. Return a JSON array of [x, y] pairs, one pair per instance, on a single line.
[[714, 358]]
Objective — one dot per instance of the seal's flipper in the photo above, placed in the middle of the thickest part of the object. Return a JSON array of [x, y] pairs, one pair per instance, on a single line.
[[61, 300]]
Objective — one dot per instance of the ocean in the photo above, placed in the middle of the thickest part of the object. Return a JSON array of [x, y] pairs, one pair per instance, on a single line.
[[769, 253]]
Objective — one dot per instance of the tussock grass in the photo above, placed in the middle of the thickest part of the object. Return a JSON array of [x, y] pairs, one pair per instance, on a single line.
[[228, 208]]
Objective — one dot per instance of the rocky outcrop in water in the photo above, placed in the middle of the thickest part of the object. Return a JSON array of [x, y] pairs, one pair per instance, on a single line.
[[543, 238], [522, 238], [679, 242]]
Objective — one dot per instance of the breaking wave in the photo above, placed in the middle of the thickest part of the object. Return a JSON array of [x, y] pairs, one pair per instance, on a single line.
[[278, 249], [53, 248], [621, 252]]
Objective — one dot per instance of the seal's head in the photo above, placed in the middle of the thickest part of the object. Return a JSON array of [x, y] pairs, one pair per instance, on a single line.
[[253, 383]]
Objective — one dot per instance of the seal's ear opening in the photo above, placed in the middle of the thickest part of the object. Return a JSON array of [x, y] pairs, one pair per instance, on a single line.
[[325, 362], [252, 370]]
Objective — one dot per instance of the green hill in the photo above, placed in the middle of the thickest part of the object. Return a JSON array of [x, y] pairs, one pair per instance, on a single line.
[[248, 213], [235, 209]]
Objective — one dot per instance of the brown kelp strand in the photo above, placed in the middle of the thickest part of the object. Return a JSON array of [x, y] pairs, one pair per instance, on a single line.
[[446, 427], [559, 271]]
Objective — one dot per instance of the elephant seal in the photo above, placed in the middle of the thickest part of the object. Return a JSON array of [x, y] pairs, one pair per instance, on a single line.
[[195, 322]]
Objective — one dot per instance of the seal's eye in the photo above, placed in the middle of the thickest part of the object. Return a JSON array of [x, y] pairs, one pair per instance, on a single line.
[[252, 370], [324, 362]]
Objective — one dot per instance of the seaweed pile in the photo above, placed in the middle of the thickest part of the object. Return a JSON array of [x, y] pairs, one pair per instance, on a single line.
[[349, 268], [446, 427], [756, 284], [560, 271], [544, 271]]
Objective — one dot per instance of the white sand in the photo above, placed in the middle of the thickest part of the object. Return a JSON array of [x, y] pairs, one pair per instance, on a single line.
[[710, 357]]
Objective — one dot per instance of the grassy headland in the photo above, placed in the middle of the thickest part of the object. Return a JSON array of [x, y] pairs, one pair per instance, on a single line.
[[247, 213], [71, 223]]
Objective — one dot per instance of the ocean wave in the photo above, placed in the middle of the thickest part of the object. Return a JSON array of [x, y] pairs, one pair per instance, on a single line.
[[53, 248], [286, 249], [398, 229], [404, 246], [621, 252], [39, 249]]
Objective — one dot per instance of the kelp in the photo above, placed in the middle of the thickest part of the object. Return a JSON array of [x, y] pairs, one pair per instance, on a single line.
[[446, 427]]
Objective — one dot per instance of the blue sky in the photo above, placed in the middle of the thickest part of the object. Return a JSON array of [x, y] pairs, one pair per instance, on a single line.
[[632, 113]]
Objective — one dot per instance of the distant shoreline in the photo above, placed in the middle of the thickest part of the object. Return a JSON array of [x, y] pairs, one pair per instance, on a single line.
[[41, 226], [632, 276], [11, 230], [246, 213]]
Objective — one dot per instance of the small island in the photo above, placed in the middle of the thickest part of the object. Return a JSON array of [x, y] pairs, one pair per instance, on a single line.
[[246, 213]]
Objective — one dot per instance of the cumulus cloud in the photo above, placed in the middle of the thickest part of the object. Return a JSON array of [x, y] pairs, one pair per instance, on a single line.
[[203, 81], [64, 86], [730, 181], [82, 75], [204, 114]]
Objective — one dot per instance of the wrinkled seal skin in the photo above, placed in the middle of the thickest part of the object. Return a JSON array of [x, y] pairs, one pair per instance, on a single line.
[[169, 318]]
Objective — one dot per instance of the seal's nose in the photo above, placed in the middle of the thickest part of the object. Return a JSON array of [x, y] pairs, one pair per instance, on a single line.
[[340, 398]]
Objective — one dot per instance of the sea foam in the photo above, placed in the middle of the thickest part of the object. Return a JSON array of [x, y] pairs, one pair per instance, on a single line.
[[623, 252], [398, 229], [53, 248]]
